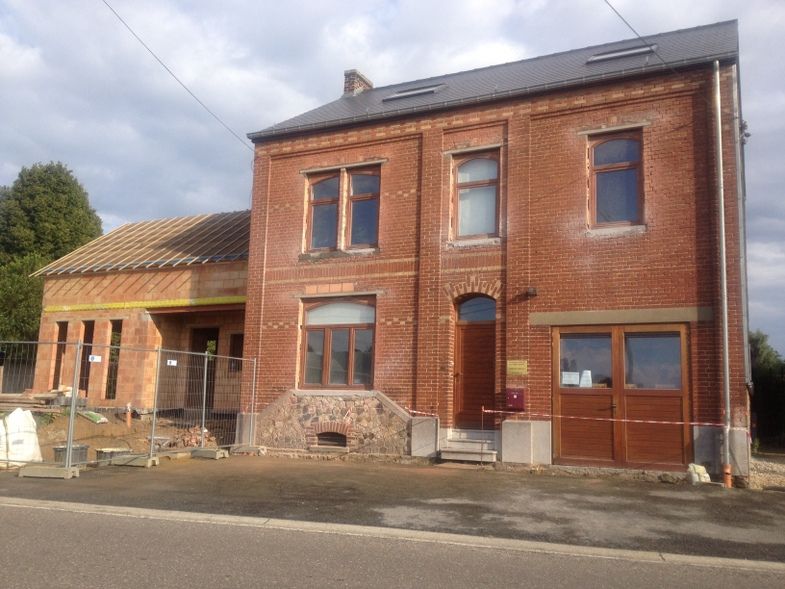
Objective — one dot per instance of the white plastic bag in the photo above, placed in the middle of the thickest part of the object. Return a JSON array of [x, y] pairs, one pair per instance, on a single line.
[[19, 439]]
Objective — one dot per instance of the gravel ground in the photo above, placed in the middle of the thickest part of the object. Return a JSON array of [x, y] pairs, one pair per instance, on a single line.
[[767, 471]]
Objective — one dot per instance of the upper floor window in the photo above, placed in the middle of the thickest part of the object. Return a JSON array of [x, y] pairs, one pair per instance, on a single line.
[[477, 196], [344, 210], [339, 345], [616, 180]]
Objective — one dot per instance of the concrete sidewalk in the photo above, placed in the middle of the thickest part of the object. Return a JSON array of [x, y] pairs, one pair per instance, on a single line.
[[611, 513]]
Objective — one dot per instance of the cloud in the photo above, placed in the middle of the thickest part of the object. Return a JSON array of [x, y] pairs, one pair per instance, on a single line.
[[77, 87]]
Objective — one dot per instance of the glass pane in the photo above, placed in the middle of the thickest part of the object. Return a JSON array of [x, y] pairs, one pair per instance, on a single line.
[[325, 226], [363, 356], [652, 361], [340, 314], [617, 196], [477, 211], [364, 221], [478, 170], [585, 361], [477, 309], [326, 189], [339, 356], [365, 184], [314, 354], [616, 152]]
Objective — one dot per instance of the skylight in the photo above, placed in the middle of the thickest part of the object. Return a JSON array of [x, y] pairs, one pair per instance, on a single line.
[[414, 92], [641, 50]]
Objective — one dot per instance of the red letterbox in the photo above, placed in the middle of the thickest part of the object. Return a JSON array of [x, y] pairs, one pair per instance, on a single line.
[[515, 399]]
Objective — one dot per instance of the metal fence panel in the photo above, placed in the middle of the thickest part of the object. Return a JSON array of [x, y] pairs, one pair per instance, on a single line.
[[113, 403]]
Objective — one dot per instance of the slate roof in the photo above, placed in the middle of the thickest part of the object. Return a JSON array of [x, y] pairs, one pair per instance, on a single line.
[[179, 241], [560, 70]]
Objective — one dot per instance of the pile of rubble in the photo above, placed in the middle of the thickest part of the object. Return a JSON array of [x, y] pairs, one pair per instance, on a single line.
[[192, 438]]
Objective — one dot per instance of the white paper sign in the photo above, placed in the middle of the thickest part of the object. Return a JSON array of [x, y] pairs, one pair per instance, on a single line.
[[93, 358], [570, 378], [171, 362], [585, 379]]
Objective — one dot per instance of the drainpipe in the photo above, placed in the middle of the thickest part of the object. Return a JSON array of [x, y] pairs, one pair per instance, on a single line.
[[741, 192], [726, 467]]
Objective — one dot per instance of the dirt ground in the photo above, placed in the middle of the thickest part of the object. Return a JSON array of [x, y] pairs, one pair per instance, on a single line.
[[767, 471], [170, 433]]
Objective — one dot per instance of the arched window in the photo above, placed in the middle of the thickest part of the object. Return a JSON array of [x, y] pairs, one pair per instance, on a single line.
[[477, 196], [339, 345], [478, 308], [617, 195]]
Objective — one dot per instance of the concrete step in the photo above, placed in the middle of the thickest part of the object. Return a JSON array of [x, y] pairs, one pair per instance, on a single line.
[[468, 450], [468, 455], [472, 434]]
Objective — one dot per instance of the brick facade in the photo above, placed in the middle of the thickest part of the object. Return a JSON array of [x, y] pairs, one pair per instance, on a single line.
[[419, 271]]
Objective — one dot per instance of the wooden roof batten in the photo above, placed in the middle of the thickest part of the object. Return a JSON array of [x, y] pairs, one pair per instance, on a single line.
[[160, 243]]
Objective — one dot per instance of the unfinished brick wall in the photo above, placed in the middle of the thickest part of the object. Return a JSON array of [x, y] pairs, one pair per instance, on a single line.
[[544, 242], [157, 308]]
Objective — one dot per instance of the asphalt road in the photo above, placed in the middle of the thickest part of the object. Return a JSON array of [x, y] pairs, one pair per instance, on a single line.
[[81, 546], [589, 512]]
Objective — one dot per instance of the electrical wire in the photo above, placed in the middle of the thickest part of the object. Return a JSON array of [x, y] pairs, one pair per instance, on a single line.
[[654, 50], [178, 80]]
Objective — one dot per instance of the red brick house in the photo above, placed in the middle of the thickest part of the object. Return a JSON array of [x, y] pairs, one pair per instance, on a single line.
[[521, 262], [545, 230]]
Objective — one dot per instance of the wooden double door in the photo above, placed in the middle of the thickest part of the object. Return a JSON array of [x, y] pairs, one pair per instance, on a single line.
[[621, 397]]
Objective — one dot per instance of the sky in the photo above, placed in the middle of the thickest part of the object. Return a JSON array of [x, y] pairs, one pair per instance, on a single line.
[[77, 87]]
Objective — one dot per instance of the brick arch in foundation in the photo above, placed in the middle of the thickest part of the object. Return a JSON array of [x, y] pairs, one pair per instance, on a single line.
[[313, 430]]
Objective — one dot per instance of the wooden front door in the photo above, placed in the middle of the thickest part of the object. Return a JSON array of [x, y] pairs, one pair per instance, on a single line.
[[475, 363], [621, 397]]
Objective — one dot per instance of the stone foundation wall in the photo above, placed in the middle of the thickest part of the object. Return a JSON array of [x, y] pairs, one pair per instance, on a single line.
[[371, 422]]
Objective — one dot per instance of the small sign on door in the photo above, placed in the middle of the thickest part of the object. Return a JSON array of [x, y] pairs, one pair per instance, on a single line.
[[171, 362], [94, 359]]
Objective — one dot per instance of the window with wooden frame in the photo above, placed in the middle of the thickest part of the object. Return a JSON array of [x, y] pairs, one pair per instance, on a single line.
[[476, 196], [616, 183], [622, 357], [338, 344], [343, 211]]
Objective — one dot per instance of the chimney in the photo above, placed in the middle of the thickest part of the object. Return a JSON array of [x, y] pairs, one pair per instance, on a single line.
[[354, 82]]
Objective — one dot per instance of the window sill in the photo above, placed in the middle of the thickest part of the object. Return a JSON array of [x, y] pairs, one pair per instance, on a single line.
[[616, 231], [334, 393], [337, 254], [479, 242]]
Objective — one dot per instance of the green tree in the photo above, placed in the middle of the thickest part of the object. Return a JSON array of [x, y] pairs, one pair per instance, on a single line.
[[46, 212], [768, 377], [44, 215], [20, 298]]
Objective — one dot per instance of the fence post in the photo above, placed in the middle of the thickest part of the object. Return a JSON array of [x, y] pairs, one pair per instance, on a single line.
[[252, 424], [155, 399], [69, 442], [204, 395]]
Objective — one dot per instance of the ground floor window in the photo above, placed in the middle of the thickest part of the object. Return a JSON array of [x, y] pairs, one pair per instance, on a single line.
[[339, 337], [644, 358]]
